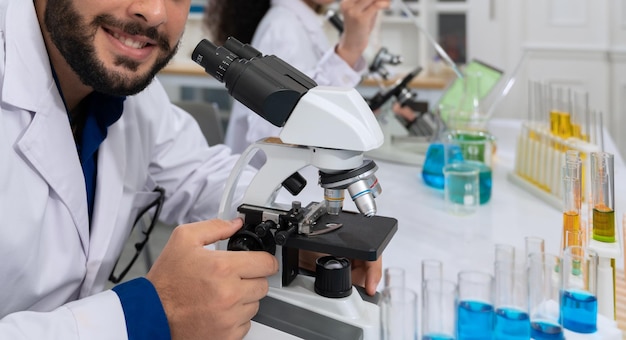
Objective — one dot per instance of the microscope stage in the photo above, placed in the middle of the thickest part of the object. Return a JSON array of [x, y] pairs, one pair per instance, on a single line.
[[360, 237]]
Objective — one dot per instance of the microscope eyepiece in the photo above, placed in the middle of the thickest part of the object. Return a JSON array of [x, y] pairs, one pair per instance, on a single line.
[[265, 84], [215, 60]]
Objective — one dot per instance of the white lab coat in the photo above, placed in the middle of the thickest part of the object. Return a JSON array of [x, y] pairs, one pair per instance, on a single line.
[[292, 31], [53, 265]]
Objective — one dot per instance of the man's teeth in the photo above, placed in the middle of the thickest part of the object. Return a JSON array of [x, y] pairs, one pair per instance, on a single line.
[[129, 42]]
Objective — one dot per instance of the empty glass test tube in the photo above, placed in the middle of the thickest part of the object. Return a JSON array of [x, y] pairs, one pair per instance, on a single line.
[[431, 269], [533, 244], [439, 300], [544, 284]]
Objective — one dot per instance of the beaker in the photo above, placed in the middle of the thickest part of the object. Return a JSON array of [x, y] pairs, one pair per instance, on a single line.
[[470, 113], [461, 188], [477, 150]]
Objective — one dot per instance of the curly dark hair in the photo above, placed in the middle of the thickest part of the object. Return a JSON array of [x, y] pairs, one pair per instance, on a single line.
[[237, 18]]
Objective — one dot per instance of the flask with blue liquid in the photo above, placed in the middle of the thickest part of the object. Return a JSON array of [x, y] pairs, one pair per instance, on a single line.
[[437, 156]]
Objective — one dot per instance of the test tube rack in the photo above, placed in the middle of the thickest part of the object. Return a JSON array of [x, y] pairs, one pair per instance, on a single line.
[[539, 157]]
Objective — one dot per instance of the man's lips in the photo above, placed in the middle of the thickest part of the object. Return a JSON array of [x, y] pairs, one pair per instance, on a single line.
[[133, 46]]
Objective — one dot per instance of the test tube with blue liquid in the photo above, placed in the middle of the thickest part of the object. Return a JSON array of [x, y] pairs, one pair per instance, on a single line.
[[579, 305], [544, 284], [512, 321], [475, 312]]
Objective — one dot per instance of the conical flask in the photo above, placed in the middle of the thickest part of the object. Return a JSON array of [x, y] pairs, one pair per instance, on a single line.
[[470, 113]]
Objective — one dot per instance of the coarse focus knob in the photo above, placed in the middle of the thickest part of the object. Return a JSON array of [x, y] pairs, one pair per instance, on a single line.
[[332, 277]]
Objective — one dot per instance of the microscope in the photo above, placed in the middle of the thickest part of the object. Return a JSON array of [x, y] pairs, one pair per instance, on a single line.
[[328, 128], [404, 141]]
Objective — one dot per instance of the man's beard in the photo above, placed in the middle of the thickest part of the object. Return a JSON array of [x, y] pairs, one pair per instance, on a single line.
[[74, 39]]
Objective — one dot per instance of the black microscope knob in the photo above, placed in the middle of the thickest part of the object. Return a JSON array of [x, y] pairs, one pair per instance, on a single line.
[[332, 277]]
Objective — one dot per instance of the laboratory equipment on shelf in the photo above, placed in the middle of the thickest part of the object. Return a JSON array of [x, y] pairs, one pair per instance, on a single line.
[[604, 240], [334, 141]]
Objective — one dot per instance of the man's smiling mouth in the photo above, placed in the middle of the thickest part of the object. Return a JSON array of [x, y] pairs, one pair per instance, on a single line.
[[127, 41]]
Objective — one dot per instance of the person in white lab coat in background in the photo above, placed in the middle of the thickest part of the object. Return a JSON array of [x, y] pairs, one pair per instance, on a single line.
[[293, 31], [86, 135]]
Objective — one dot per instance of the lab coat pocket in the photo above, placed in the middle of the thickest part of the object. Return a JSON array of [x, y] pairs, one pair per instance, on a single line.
[[144, 207]]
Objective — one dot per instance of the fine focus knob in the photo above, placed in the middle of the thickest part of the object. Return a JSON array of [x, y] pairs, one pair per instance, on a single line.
[[332, 277]]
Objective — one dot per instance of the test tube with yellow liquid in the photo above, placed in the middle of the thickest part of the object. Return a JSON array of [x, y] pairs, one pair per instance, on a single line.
[[572, 199], [603, 197], [603, 239], [560, 123]]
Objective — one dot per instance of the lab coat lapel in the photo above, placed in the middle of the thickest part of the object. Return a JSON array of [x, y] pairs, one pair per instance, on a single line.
[[47, 143]]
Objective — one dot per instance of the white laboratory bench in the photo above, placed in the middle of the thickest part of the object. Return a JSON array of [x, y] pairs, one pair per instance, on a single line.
[[427, 231]]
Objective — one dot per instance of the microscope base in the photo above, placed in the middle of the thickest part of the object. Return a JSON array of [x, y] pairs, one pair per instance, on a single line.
[[297, 310]]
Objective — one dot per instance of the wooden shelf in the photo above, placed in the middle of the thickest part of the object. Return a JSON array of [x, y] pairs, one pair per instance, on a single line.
[[189, 68]]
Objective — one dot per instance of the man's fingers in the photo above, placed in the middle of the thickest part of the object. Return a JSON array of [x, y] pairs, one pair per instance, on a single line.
[[255, 289], [208, 232], [253, 264]]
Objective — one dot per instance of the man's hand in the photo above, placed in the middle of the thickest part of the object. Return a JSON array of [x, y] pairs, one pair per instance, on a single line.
[[405, 112], [359, 17], [366, 274], [207, 293]]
